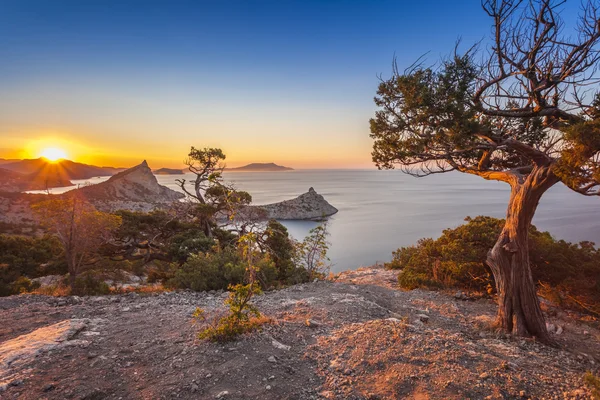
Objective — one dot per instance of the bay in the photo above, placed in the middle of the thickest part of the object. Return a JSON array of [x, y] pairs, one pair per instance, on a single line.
[[380, 211]]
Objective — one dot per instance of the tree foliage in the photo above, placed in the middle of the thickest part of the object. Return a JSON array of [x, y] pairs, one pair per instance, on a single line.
[[567, 273], [213, 198], [80, 228]]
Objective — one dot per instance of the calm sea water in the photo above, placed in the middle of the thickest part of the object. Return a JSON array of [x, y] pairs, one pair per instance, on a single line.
[[380, 211]]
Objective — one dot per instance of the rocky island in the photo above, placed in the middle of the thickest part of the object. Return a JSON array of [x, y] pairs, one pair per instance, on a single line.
[[307, 206]]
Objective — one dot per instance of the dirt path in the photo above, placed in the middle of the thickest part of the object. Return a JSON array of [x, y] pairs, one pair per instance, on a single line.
[[365, 340]]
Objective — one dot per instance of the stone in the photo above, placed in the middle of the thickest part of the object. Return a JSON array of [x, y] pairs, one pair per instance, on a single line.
[[48, 387], [311, 323], [279, 345], [423, 318], [559, 330], [222, 394], [272, 359]]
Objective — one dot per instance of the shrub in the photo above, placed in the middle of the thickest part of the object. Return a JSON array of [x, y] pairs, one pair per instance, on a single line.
[[89, 283], [210, 271], [24, 285], [280, 248], [23, 258], [242, 317], [593, 382], [567, 273]]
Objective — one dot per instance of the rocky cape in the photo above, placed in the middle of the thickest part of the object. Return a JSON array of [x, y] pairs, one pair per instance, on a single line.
[[135, 189], [307, 206]]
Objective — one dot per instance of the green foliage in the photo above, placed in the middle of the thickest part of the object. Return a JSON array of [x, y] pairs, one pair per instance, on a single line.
[[89, 283], [23, 257], [311, 253], [281, 249], [457, 259], [191, 241], [23, 285], [242, 315], [593, 382], [210, 271]]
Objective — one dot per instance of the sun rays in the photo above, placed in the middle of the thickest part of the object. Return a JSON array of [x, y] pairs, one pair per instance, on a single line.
[[53, 154]]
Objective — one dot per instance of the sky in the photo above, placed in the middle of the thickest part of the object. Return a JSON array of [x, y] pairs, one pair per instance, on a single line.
[[290, 82]]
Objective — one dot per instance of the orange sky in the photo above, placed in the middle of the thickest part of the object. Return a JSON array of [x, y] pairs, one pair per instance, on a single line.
[[296, 150]]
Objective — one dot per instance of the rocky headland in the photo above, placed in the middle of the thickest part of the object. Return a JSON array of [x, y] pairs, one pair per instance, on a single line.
[[135, 189], [307, 206], [356, 336]]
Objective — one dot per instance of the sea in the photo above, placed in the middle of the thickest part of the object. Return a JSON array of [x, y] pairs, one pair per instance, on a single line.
[[380, 211]]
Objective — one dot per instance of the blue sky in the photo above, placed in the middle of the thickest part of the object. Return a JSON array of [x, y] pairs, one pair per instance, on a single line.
[[286, 81]]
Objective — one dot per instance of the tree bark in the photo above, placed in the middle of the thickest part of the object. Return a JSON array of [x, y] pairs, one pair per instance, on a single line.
[[518, 305]]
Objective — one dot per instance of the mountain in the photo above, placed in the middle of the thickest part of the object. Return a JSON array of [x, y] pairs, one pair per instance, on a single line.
[[11, 181], [62, 170], [168, 171], [134, 189], [260, 167], [7, 161]]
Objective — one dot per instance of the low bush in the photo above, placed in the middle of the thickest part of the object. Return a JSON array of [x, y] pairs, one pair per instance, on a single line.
[[90, 283], [241, 318], [567, 273], [210, 271], [593, 382]]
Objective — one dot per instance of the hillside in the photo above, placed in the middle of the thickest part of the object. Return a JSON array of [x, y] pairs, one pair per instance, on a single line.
[[12, 181], [133, 189], [260, 167], [357, 337], [57, 174]]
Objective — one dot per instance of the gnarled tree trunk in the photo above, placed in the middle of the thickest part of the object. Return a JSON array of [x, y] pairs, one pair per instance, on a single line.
[[518, 307]]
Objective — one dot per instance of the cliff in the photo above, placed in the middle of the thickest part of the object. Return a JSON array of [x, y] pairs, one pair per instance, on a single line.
[[134, 189], [307, 206]]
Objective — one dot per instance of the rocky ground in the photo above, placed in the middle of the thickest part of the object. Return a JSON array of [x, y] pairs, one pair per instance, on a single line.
[[354, 338]]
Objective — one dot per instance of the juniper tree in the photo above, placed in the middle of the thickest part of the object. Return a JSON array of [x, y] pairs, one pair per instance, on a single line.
[[522, 112], [212, 195]]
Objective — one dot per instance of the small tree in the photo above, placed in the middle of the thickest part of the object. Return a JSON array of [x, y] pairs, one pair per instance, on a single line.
[[280, 247], [80, 228], [214, 198], [311, 253], [520, 114]]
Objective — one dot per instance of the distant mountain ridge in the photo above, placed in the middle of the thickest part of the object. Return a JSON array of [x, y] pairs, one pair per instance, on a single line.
[[168, 171], [40, 174], [261, 167]]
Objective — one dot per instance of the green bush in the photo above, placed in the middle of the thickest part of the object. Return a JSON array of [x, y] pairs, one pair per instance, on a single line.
[[569, 272], [210, 271], [242, 317], [23, 258], [90, 283], [593, 382]]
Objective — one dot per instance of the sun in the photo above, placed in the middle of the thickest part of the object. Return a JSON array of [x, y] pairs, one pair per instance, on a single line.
[[53, 154]]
